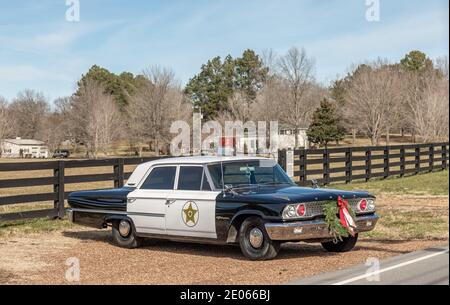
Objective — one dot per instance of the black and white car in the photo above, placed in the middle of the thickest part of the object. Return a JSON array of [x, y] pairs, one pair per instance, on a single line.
[[220, 200]]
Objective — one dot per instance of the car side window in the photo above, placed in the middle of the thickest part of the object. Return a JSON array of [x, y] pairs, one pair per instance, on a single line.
[[190, 178], [160, 178]]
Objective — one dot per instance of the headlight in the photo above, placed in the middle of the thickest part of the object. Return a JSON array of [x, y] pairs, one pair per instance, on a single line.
[[371, 204], [366, 205], [294, 211]]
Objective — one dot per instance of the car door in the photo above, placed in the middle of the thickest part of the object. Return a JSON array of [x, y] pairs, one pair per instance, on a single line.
[[147, 204], [191, 209]]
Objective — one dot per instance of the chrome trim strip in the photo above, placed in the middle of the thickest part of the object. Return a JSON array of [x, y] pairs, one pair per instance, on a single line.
[[115, 212], [314, 229]]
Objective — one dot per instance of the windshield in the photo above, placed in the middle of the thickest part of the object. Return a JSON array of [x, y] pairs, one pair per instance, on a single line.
[[248, 173]]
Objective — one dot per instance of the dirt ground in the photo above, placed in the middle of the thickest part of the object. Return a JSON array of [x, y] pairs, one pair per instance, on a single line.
[[41, 258]]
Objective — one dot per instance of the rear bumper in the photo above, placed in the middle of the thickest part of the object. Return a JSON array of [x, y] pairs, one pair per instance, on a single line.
[[315, 229]]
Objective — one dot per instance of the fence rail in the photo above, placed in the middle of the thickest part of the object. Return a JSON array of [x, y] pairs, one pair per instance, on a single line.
[[347, 164], [58, 180]]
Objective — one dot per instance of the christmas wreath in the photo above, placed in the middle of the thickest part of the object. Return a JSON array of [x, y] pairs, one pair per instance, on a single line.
[[343, 225]]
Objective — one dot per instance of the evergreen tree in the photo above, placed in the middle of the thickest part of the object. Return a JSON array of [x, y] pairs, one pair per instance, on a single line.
[[217, 81], [326, 125], [119, 86]]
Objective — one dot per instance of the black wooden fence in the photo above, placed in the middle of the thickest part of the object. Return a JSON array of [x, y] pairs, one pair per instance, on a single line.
[[324, 165], [58, 180], [364, 163]]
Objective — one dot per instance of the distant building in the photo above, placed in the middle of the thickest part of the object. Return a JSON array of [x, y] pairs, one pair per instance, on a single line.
[[287, 134], [23, 148]]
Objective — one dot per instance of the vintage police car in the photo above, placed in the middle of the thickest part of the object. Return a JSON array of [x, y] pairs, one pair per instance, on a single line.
[[221, 200]]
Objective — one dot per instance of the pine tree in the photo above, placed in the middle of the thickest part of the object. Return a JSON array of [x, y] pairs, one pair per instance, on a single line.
[[325, 126]]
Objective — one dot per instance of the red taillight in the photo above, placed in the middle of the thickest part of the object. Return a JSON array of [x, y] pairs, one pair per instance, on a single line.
[[363, 205], [301, 210]]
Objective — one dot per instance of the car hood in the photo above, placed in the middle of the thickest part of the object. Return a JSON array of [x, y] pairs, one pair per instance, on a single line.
[[293, 194]]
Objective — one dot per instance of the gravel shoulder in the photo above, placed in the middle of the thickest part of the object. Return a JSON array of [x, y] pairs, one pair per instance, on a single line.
[[41, 258]]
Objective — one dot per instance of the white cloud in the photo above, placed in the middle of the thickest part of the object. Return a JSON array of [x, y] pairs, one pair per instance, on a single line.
[[427, 32], [19, 73]]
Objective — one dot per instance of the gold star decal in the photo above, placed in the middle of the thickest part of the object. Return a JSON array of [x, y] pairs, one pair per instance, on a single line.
[[190, 213]]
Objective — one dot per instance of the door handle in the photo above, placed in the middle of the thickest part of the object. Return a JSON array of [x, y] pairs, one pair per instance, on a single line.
[[169, 202]]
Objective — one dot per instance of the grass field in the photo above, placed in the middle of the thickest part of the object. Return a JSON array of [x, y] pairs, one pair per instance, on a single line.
[[434, 184]]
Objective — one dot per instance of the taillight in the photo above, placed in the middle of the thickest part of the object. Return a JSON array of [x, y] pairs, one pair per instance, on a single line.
[[301, 210], [363, 205]]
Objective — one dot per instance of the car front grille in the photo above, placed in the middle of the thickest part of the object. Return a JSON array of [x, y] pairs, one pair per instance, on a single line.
[[315, 209]]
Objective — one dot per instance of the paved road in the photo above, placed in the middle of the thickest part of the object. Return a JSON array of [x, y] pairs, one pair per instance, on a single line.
[[426, 267]]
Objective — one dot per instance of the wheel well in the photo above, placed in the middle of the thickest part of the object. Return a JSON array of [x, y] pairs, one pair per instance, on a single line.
[[236, 223]]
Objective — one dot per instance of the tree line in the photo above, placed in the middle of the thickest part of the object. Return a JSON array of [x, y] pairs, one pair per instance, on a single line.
[[374, 99]]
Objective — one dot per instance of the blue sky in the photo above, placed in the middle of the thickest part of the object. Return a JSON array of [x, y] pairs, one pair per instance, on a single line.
[[41, 50]]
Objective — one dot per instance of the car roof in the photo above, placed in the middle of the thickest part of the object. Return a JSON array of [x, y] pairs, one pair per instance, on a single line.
[[143, 168]]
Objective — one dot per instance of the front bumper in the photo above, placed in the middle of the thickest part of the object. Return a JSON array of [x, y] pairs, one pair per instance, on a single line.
[[314, 229]]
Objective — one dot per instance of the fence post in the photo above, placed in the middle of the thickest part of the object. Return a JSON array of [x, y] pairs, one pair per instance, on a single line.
[[368, 164], [58, 188], [444, 157], [386, 162], [348, 165], [417, 161], [431, 158], [402, 162], [119, 173], [326, 167], [282, 158], [302, 158]]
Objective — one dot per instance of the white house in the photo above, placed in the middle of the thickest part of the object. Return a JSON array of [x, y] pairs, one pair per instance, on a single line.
[[23, 148], [287, 134]]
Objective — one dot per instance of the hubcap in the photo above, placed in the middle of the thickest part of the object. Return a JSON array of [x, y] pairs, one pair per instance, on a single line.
[[256, 238], [124, 228]]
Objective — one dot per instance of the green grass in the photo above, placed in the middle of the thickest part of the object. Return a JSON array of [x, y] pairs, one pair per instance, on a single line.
[[25, 227], [433, 184], [403, 224]]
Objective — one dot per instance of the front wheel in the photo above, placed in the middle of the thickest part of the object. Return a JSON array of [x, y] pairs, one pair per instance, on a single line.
[[347, 244], [124, 235], [254, 242]]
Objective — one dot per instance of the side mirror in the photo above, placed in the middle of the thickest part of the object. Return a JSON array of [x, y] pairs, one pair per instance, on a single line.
[[315, 184]]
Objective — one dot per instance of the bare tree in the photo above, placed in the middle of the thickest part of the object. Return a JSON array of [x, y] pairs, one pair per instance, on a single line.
[[28, 111], [158, 101], [5, 122], [296, 68], [373, 99], [427, 97], [96, 118], [442, 65]]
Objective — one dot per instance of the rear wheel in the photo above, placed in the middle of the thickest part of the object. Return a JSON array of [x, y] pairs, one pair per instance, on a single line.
[[347, 244], [254, 242], [124, 235]]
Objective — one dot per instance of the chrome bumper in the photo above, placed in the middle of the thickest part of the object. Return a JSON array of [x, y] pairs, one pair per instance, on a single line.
[[315, 229]]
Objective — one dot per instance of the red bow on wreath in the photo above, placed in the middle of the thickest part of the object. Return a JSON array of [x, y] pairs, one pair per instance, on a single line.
[[347, 220]]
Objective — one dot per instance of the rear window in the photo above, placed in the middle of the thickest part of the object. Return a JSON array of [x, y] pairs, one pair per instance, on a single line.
[[190, 178], [161, 178]]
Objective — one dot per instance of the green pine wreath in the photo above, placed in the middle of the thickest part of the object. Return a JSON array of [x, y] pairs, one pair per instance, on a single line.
[[331, 211]]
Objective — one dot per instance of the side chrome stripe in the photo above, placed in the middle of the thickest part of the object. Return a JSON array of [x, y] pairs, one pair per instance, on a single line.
[[117, 212]]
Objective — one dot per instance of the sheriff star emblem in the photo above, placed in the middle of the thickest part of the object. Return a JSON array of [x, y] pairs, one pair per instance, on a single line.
[[190, 214]]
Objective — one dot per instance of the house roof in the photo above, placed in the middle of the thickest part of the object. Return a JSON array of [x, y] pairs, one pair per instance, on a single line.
[[292, 127], [25, 142]]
